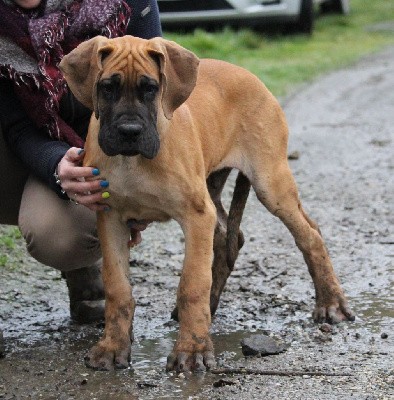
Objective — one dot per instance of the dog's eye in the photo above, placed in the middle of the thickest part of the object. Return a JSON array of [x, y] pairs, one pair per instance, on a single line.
[[150, 90], [106, 88], [109, 88]]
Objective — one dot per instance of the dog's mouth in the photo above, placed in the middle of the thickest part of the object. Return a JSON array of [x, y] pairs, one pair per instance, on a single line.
[[115, 142]]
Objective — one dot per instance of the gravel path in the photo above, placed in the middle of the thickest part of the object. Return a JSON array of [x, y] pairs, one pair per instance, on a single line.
[[342, 128]]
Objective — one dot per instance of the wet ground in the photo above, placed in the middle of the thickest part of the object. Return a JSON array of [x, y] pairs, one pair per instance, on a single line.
[[342, 128]]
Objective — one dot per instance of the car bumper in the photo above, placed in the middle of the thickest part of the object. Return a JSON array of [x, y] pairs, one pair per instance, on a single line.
[[288, 10]]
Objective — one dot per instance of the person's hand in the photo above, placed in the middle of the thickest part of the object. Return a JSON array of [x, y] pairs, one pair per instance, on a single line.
[[82, 185]]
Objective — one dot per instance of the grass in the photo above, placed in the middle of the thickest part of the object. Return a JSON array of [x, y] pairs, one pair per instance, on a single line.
[[10, 236], [283, 62]]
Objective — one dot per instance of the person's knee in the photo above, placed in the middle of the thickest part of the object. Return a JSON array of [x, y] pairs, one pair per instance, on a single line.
[[57, 233], [63, 248]]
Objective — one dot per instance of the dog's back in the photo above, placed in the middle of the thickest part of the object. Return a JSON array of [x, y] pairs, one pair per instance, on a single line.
[[229, 105]]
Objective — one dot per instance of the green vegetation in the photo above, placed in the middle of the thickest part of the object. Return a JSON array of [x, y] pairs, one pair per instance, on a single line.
[[283, 62], [10, 243]]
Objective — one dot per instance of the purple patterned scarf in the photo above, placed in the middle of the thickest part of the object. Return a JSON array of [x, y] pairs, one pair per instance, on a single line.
[[33, 42]]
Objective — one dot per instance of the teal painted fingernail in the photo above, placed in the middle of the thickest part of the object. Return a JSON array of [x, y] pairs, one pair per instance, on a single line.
[[95, 171], [104, 184], [80, 151], [105, 195], [107, 208]]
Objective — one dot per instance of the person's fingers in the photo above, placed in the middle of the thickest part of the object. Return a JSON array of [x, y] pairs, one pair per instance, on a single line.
[[71, 171], [70, 167], [88, 198], [84, 187], [75, 154]]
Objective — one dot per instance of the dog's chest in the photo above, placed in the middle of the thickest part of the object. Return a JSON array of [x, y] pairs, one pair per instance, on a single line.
[[134, 195]]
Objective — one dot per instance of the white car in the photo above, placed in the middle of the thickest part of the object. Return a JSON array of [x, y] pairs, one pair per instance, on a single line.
[[297, 13]]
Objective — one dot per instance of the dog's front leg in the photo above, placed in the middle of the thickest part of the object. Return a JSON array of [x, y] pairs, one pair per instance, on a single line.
[[193, 349], [113, 349]]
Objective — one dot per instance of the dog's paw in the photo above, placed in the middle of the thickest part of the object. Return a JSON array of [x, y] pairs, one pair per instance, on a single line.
[[333, 313], [107, 358], [196, 362]]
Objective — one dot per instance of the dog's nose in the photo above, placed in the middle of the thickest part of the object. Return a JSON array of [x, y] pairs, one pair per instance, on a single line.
[[132, 129]]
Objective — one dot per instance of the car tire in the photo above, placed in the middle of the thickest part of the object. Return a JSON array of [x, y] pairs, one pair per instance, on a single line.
[[336, 6], [306, 18]]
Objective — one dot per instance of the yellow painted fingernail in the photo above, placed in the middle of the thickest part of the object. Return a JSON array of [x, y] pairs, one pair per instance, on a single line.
[[105, 195]]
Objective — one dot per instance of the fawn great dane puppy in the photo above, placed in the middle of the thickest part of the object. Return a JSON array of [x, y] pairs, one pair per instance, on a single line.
[[163, 122]]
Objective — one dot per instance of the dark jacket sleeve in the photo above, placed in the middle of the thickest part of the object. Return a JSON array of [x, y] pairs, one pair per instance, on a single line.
[[39, 153], [145, 19]]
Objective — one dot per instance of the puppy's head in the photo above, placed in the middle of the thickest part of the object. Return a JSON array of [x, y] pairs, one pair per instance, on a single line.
[[125, 81]]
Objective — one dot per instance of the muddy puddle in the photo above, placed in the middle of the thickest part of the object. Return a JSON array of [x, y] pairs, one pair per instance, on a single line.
[[376, 313], [149, 356]]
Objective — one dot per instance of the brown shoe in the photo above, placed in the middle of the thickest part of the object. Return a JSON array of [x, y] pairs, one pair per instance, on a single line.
[[86, 292]]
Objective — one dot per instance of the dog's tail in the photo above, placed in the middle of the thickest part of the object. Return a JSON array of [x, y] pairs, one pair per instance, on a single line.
[[235, 238]]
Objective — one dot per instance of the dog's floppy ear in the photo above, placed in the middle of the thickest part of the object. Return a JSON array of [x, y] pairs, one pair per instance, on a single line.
[[82, 69], [178, 69]]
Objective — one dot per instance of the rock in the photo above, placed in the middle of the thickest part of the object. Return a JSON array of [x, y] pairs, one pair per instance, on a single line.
[[295, 155], [146, 384], [223, 382], [380, 143], [2, 345], [172, 249], [326, 328], [384, 335], [320, 337], [262, 345]]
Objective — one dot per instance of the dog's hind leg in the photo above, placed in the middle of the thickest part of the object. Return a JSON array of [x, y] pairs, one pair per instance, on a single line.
[[228, 239], [220, 269], [235, 237], [275, 188]]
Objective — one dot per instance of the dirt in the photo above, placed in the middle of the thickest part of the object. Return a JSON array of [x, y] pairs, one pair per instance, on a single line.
[[342, 132]]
